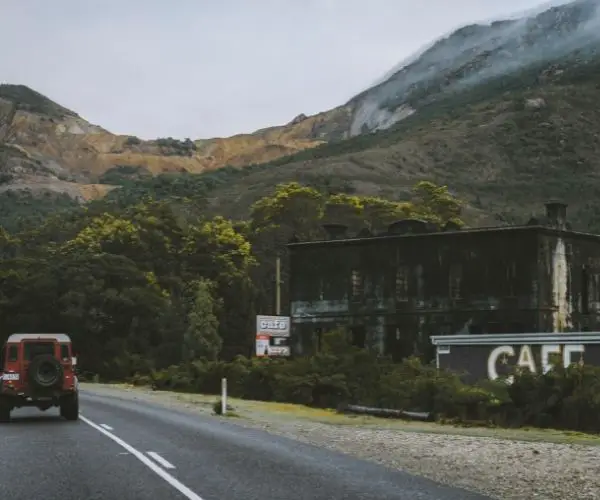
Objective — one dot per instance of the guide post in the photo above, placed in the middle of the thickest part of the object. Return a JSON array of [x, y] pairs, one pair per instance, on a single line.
[[223, 396]]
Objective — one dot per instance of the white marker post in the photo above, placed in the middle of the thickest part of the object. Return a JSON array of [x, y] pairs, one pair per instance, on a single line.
[[223, 396]]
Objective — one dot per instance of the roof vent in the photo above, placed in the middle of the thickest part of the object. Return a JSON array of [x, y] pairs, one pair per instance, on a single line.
[[556, 213]]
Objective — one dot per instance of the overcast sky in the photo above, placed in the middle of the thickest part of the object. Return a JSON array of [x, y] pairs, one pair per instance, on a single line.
[[206, 68]]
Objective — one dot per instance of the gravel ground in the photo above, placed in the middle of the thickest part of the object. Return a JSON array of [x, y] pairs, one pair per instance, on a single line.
[[501, 468]]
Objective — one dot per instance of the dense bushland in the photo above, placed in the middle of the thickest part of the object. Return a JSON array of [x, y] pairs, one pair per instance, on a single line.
[[561, 399]]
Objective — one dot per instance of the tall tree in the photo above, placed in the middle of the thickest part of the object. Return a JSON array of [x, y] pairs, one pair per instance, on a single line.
[[201, 339], [436, 203]]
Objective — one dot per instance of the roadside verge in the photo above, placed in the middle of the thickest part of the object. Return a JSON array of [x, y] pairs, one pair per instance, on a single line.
[[502, 463]]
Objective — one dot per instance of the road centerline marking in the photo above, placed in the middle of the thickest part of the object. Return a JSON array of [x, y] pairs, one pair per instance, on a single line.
[[165, 463], [174, 482], [107, 427]]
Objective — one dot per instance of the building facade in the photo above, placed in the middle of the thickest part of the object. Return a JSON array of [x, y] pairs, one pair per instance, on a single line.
[[393, 291]]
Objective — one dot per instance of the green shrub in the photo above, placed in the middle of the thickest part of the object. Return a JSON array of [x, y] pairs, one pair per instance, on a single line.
[[141, 380], [563, 399], [132, 140]]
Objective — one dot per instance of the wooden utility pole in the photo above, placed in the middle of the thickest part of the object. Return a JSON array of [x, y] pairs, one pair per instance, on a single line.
[[278, 286]]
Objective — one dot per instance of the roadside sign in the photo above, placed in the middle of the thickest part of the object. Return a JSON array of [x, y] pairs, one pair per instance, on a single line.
[[493, 356], [262, 345], [272, 336], [274, 326], [282, 350]]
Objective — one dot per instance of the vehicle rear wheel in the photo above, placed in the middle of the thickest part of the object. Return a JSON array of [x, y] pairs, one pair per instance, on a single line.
[[69, 407], [45, 372]]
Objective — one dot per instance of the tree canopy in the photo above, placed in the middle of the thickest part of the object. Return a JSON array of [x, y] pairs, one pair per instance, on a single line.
[[150, 282]]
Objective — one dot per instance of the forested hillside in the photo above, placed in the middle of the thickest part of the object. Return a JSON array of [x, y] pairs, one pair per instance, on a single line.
[[149, 284]]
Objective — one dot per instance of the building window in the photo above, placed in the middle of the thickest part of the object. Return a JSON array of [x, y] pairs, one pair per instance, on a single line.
[[455, 278], [402, 280], [585, 290], [593, 290], [359, 336], [356, 284]]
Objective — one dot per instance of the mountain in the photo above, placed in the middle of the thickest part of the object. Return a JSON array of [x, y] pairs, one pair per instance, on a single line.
[[505, 113], [47, 146], [474, 55]]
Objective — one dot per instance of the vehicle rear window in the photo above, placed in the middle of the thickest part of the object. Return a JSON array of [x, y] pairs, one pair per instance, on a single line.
[[13, 353], [33, 349], [64, 352]]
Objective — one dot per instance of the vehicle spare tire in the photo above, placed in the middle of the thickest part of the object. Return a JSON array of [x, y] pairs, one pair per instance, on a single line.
[[45, 371]]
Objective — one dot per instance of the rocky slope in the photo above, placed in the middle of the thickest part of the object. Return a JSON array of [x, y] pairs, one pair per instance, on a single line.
[[459, 109], [45, 145]]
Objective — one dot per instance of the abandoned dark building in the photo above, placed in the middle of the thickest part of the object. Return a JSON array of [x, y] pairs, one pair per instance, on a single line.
[[394, 290]]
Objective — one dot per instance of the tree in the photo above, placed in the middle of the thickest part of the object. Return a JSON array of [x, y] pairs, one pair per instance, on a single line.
[[379, 213], [293, 207], [201, 339], [215, 250], [436, 203], [113, 309]]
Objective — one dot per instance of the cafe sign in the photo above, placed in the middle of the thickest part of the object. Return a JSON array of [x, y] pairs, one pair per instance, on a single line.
[[274, 326], [536, 358], [480, 357]]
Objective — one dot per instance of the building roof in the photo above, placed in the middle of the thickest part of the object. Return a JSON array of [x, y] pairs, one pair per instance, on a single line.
[[517, 339], [59, 337], [441, 234]]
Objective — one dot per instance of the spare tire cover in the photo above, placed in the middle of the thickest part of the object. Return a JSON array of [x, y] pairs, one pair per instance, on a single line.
[[45, 371]]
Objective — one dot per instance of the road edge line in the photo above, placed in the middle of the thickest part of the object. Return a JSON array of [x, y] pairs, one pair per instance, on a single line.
[[174, 482]]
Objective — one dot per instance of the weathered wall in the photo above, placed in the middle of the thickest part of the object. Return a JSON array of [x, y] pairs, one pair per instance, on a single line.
[[569, 283], [397, 291]]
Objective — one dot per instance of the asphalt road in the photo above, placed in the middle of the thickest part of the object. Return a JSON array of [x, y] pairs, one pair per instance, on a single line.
[[135, 451]]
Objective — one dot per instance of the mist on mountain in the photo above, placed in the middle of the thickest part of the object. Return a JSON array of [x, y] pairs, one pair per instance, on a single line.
[[476, 53]]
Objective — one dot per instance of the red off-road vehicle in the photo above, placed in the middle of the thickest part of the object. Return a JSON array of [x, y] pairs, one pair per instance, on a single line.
[[38, 369]]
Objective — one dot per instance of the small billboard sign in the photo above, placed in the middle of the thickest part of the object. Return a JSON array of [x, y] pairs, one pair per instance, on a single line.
[[279, 350], [272, 335], [262, 345], [274, 326]]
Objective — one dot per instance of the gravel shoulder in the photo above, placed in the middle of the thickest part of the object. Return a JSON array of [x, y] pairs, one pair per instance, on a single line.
[[504, 464]]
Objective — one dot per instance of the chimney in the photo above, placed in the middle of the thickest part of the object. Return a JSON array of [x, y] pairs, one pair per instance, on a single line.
[[556, 212], [335, 231]]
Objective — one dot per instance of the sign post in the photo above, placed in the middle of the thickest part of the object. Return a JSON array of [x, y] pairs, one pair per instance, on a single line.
[[223, 396]]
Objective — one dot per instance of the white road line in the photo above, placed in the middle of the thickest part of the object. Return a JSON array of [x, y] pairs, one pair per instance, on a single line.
[[183, 489], [107, 427], [160, 460]]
